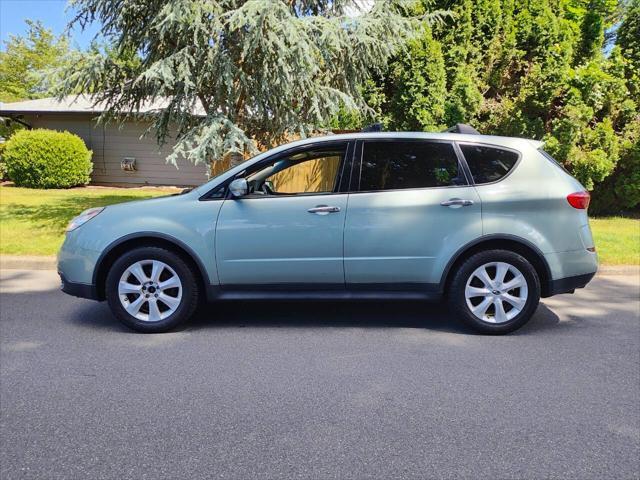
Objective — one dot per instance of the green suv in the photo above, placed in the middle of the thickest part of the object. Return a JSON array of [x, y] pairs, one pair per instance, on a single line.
[[490, 223]]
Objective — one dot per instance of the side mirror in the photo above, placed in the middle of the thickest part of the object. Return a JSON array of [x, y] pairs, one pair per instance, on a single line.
[[239, 187]]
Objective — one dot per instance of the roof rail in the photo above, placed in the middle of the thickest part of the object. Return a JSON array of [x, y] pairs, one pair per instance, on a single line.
[[374, 127], [462, 128]]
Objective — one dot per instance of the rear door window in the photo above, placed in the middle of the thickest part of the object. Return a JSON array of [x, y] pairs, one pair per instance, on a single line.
[[393, 165], [488, 164]]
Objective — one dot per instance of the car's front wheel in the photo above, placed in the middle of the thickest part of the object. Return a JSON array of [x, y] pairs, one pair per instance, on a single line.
[[495, 291], [151, 289]]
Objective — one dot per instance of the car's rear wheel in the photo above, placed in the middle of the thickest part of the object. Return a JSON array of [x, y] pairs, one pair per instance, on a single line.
[[151, 289], [495, 291]]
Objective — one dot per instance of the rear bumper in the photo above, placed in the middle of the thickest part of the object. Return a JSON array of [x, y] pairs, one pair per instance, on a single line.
[[568, 284], [81, 290]]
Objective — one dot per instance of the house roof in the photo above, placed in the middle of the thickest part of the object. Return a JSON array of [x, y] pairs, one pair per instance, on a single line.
[[76, 104]]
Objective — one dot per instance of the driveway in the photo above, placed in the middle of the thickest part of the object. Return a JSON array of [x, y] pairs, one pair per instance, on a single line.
[[319, 390]]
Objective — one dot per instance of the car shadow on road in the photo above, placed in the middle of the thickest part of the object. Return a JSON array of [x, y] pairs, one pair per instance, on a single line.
[[326, 314]]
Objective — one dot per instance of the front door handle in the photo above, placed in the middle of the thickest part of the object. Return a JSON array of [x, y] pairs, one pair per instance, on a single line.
[[323, 210], [456, 202]]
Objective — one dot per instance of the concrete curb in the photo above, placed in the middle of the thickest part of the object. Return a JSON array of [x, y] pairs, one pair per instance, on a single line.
[[34, 262]]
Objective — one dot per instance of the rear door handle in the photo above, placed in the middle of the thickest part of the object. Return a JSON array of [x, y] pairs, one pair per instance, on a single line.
[[456, 202], [323, 210]]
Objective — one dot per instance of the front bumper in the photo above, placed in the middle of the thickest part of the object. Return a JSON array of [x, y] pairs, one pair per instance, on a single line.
[[76, 289], [76, 263]]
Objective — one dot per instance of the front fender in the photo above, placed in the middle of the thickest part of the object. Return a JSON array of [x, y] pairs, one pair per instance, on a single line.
[[183, 220]]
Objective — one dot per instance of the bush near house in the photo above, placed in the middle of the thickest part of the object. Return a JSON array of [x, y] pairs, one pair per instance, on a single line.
[[47, 159], [3, 167]]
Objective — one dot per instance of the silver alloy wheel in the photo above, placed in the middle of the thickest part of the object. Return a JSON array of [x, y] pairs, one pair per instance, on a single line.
[[150, 290], [496, 292]]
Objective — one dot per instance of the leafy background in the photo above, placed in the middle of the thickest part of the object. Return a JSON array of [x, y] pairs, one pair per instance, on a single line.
[[562, 71]]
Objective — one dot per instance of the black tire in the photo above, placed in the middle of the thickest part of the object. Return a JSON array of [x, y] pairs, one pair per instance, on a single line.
[[458, 301], [187, 277]]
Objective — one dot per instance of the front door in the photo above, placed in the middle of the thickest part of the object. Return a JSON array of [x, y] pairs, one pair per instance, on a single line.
[[288, 230], [413, 210]]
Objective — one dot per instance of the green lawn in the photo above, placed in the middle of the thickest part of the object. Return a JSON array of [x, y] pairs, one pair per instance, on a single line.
[[617, 240], [32, 222]]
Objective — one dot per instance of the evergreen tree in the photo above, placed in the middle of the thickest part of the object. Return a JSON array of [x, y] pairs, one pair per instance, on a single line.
[[531, 69], [628, 40], [260, 70], [417, 83]]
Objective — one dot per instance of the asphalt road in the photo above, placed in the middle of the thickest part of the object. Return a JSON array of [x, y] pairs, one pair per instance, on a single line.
[[313, 390]]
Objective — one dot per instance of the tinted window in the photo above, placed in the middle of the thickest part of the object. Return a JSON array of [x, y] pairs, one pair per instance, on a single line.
[[488, 164], [417, 164]]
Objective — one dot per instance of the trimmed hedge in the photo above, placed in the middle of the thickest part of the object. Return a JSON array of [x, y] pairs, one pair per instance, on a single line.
[[47, 159]]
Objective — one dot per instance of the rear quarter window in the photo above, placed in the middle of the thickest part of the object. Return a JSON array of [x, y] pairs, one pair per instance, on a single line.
[[488, 164]]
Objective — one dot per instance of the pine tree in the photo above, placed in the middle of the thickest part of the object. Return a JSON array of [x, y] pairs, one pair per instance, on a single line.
[[261, 70], [628, 40]]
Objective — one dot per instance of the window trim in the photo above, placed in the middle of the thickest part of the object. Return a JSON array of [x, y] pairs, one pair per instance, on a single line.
[[348, 156], [361, 143], [494, 146]]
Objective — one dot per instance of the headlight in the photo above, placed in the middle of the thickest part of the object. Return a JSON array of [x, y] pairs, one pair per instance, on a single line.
[[83, 218]]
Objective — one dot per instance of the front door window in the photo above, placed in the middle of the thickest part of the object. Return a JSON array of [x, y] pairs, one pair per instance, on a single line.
[[306, 173]]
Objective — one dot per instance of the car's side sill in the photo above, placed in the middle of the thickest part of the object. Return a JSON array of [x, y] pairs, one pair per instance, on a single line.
[[325, 292], [82, 290]]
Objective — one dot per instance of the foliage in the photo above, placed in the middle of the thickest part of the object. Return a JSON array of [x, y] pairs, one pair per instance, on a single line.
[[418, 100], [8, 127], [628, 38], [259, 71], [47, 159], [26, 63], [531, 69], [3, 166], [621, 191]]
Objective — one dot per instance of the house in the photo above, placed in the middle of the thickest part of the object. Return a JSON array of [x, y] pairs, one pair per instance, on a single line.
[[121, 155]]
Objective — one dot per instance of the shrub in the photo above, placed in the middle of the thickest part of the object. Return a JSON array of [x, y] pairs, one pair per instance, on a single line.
[[620, 192], [47, 159], [3, 167]]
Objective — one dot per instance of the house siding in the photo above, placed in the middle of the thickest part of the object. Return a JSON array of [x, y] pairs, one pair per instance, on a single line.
[[111, 143]]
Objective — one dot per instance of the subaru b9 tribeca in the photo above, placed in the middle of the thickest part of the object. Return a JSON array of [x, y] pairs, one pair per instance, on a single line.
[[490, 223]]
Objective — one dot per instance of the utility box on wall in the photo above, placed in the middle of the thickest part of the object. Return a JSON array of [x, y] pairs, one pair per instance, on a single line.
[[128, 164]]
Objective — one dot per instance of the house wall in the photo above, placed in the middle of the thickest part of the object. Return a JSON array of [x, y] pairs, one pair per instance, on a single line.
[[110, 144]]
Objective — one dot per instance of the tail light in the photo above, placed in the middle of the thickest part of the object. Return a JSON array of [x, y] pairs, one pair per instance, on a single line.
[[579, 200]]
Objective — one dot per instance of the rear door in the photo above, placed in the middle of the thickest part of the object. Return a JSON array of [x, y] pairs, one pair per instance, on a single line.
[[412, 209]]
